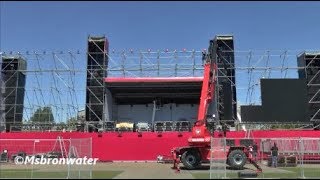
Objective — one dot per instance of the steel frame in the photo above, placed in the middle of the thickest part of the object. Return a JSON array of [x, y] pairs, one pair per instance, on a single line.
[[311, 72], [64, 69]]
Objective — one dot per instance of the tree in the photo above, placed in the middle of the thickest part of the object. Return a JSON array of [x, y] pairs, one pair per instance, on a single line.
[[61, 126], [42, 115], [72, 122], [284, 126]]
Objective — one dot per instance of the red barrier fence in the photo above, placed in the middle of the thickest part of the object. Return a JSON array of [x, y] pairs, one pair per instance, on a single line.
[[130, 147]]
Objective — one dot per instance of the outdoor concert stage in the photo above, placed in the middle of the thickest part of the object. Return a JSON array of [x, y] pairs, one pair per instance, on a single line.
[[109, 146]]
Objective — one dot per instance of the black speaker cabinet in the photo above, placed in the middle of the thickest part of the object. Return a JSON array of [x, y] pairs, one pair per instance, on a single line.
[[14, 78]]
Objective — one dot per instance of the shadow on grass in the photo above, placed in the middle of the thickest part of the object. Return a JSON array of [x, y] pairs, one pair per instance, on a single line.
[[207, 168], [203, 168]]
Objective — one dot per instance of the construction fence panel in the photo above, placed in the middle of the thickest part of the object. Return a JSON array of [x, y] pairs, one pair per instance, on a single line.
[[81, 148], [218, 158], [10, 149], [297, 158], [45, 158]]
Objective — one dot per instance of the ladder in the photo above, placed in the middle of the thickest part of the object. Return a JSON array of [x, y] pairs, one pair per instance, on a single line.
[[62, 146]]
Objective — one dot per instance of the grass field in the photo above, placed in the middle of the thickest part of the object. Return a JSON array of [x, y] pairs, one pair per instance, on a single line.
[[147, 170], [289, 173], [27, 173]]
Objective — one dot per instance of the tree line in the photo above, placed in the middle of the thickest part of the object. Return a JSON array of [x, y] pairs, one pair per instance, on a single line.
[[44, 115]]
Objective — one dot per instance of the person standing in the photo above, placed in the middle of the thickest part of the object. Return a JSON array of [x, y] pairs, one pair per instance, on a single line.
[[224, 129], [250, 151], [274, 154], [255, 151]]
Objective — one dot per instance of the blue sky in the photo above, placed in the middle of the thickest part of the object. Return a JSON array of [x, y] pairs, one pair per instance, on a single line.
[[65, 25], [159, 25]]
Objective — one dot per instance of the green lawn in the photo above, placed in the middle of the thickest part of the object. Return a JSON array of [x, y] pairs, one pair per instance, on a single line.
[[105, 174], [294, 172], [25, 173]]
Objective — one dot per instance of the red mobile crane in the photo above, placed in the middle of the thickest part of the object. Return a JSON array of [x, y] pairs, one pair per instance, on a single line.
[[199, 149]]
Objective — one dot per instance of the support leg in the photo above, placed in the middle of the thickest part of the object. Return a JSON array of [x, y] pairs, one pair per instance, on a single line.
[[176, 162]]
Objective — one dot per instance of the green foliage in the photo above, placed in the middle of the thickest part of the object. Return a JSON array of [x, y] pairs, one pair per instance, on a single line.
[[72, 121], [61, 126], [42, 115], [272, 126], [283, 126]]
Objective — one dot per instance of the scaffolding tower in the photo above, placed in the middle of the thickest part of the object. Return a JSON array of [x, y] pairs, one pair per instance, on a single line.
[[13, 90], [310, 62], [97, 64], [226, 91], [2, 104]]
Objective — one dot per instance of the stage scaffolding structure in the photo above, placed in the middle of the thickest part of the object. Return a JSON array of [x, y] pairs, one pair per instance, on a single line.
[[57, 79], [311, 62]]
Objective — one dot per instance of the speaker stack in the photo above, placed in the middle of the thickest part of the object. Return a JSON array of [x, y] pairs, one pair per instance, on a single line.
[[13, 90]]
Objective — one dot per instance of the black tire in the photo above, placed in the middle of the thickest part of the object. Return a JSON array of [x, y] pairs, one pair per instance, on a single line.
[[191, 159], [237, 159]]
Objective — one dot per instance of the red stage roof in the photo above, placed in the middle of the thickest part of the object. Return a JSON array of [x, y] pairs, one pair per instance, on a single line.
[[152, 79]]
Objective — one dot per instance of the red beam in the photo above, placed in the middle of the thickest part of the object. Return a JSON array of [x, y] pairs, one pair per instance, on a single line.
[[152, 79]]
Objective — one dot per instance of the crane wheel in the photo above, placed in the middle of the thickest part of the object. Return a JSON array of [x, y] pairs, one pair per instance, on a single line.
[[191, 159], [237, 159]]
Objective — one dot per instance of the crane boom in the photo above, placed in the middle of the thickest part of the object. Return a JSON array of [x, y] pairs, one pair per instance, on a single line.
[[200, 131], [200, 145], [208, 89]]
